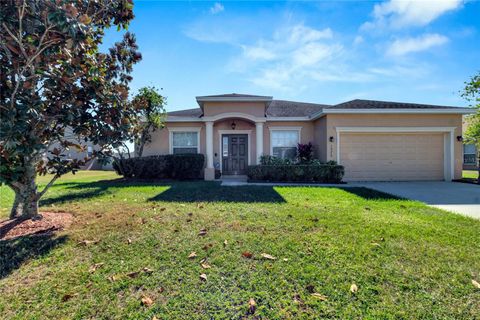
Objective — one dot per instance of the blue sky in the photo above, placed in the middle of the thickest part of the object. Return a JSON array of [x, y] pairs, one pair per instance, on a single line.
[[323, 52]]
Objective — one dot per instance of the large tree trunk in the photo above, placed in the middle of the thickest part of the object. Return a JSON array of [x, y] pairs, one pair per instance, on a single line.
[[25, 205]]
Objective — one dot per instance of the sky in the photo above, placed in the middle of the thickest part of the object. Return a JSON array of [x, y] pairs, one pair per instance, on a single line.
[[321, 52]]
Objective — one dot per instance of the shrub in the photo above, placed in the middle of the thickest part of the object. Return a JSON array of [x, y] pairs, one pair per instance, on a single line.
[[305, 152], [170, 166], [268, 160], [324, 173]]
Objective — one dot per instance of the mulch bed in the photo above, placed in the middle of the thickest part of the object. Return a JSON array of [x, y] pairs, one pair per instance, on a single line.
[[49, 223]]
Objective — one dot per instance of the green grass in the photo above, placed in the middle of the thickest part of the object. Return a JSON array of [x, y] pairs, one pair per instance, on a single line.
[[470, 174], [408, 260]]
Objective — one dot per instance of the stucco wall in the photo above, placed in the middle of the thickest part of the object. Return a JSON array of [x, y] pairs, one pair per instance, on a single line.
[[160, 138], [256, 109], [320, 139], [396, 120]]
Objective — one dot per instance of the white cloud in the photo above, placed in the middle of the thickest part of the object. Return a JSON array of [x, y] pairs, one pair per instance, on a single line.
[[358, 40], [398, 14], [407, 45], [217, 8], [258, 53]]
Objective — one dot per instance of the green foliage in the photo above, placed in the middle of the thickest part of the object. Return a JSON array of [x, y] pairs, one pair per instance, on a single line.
[[56, 86], [471, 93], [268, 160], [297, 173], [305, 152], [170, 166], [151, 110]]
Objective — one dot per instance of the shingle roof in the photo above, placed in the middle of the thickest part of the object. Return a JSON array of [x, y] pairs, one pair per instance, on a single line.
[[374, 104], [235, 95], [284, 108], [195, 113]]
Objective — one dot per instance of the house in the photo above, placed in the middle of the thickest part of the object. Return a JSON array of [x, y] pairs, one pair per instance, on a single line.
[[470, 161], [373, 140]]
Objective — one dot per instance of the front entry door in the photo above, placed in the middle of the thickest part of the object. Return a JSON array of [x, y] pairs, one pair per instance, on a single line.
[[234, 154]]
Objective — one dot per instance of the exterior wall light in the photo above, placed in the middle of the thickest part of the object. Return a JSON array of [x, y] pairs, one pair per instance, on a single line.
[[331, 139], [234, 125], [459, 138]]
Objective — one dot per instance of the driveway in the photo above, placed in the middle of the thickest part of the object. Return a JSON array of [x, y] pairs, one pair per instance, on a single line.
[[457, 197]]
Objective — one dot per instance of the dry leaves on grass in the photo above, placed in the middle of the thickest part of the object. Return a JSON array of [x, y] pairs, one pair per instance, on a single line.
[[268, 257], [252, 306], [203, 277], [68, 296], [205, 265], [146, 301], [88, 242], [476, 284], [192, 255], [225, 243], [247, 255], [203, 232], [96, 266], [353, 288], [319, 296]]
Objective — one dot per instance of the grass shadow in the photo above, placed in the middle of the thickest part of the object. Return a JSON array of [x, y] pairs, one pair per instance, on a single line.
[[213, 192], [17, 251], [370, 194]]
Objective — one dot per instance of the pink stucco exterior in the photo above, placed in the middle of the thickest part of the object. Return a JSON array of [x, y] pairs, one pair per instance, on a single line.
[[322, 131]]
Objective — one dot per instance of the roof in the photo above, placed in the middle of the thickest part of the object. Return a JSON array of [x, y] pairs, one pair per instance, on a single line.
[[284, 108], [194, 113], [375, 104], [235, 95]]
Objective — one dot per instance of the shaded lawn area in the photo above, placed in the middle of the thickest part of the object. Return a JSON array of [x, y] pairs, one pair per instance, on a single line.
[[408, 260]]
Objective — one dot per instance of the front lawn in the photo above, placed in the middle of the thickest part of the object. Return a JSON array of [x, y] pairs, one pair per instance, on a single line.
[[408, 260], [470, 174]]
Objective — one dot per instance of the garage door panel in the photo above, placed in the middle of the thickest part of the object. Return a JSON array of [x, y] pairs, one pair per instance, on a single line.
[[391, 156]]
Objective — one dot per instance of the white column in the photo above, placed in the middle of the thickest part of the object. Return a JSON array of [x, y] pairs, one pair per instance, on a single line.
[[209, 142], [259, 135]]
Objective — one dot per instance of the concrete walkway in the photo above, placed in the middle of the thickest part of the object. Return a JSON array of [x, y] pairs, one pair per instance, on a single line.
[[456, 197]]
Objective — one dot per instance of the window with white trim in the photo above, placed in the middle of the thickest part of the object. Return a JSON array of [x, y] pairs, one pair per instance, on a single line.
[[284, 143], [185, 142], [469, 154]]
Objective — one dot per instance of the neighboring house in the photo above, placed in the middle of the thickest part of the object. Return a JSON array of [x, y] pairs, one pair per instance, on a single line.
[[470, 161], [374, 140]]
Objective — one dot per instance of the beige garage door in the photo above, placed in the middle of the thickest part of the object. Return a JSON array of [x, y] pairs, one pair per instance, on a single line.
[[391, 156]]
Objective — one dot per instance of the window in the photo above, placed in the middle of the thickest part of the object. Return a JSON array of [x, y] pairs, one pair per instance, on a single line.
[[185, 142], [89, 151], [469, 154], [284, 143]]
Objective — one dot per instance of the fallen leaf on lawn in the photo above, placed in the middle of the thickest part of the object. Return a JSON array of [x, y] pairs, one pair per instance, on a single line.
[[296, 298], [68, 296], [200, 206], [133, 274], [154, 318], [94, 267], [247, 255], [285, 259], [207, 246], [202, 232], [268, 257], [192, 255], [129, 241], [476, 284], [225, 243], [163, 209], [113, 278], [353, 288], [203, 277], [190, 214], [88, 242], [147, 270], [252, 306], [146, 301], [205, 265], [319, 296]]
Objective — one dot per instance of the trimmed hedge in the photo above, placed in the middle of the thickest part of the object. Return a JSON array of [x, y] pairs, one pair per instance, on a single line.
[[325, 173], [170, 166]]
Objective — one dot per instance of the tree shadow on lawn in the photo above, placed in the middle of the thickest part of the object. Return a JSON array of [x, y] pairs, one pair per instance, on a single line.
[[17, 251], [370, 194]]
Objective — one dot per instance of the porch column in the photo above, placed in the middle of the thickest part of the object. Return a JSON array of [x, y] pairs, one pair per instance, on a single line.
[[209, 170], [259, 135]]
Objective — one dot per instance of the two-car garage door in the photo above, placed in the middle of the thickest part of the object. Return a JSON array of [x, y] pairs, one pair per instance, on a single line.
[[392, 156]]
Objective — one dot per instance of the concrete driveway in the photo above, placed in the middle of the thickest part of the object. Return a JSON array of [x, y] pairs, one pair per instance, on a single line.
[[457, 197]]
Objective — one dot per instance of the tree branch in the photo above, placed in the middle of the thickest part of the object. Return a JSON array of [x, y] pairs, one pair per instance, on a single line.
[[40, 194]]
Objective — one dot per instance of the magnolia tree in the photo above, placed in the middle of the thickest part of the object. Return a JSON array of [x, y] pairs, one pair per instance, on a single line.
[[54, 81], [472, 134], [151, 111]]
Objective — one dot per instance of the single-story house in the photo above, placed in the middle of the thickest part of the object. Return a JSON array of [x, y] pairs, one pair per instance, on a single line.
[[373, 140]]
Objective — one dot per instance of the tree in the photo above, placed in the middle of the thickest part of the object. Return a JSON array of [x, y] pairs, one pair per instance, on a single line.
[[54, 79], [471, 93], [151, 107]]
